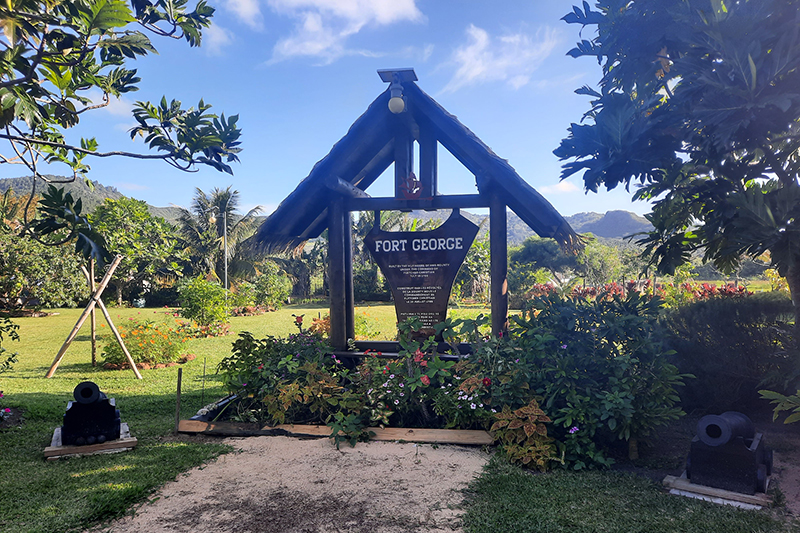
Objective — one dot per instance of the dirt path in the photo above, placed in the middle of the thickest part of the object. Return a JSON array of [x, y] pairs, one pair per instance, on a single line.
[[310, 486]]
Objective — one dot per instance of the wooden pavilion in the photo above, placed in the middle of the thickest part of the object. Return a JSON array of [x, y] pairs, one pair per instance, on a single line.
[[385, 134]]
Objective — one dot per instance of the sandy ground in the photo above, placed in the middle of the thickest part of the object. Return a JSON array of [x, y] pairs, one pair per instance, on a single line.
[[286, 485]]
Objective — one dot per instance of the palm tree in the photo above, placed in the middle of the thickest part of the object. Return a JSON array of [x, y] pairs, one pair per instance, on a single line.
[[212, 227]]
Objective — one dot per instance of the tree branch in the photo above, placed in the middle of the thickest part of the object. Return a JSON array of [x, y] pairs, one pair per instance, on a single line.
[[81, 150]]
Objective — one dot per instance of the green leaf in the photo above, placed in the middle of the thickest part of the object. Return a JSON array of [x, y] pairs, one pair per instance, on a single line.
[[752, 72], [108, 14]]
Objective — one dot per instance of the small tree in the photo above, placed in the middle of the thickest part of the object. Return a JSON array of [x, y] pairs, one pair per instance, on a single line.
[[33, 276], [147, 244]]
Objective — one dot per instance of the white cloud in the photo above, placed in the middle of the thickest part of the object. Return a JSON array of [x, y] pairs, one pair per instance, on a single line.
[[215, 38], [511, 58], [562, 187], [323, 27], [248, 12]]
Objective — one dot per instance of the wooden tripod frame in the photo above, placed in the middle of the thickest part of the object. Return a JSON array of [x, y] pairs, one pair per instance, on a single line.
[[95, 301]]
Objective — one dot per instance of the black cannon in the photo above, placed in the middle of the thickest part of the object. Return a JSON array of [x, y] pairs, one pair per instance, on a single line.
[[727, 453], [92, 418]]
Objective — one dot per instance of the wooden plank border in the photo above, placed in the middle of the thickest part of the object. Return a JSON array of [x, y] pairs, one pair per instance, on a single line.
[[467, 437], [684, 485], [56, 450]]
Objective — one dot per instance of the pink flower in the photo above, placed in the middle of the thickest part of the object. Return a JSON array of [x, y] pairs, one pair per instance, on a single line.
[[425, 380], [7, 410]]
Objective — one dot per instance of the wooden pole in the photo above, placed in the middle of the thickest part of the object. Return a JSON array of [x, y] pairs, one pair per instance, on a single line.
[[84, 316], [94, 313], [336, 272], [118, 337], [178, 402], [349, 296], [498, 247]]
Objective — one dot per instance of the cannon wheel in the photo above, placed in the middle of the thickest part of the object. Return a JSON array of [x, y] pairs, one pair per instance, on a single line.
[[761, 478], [768, 461]]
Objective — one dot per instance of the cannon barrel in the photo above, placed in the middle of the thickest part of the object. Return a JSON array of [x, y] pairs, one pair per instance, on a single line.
[[87, 392], [92, 418], [718, 430]]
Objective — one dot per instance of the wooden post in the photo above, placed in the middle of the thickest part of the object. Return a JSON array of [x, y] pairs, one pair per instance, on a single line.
[[349, 296], [118, 337], [428, 161], [336, 272], [178, 402], [94, 313], [403, 156], [498, 246], [84, 316], [95, 301]]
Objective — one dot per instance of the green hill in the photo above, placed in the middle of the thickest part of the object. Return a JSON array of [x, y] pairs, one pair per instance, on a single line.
[[91, 197]]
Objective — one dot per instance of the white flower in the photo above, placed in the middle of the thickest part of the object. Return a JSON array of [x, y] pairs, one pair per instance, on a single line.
[[472, 405]]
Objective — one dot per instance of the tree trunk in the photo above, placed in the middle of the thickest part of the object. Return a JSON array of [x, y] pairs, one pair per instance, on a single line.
[[793, 280], [119, 294]]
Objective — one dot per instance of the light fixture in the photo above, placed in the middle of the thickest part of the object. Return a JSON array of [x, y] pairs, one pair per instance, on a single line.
[[396, 102], [397, 77]]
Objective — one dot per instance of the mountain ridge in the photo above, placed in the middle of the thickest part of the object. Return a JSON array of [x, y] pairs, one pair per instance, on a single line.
[[615, 224]]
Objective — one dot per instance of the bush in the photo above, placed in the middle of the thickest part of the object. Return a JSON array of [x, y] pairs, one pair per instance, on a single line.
[[601, 370], [272, 286], [731, 345], [203, 301], [368, 285]]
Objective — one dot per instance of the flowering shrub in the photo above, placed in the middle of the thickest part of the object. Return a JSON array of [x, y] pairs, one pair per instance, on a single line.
[[671, 294], [4, 411], [148, 342], [7, 328], [584, 372]]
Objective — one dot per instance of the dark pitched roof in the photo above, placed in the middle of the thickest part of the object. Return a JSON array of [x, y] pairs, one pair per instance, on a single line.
[[367, 150]]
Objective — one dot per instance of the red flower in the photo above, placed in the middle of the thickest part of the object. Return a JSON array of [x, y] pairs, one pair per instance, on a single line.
[[418, 355], [298, 320], [487, 382], [425, 380]]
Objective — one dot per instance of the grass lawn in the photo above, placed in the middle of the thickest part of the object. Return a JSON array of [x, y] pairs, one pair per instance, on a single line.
[[506, 499], [71, 495]]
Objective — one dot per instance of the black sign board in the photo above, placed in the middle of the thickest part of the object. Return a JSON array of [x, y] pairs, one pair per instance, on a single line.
[[422, 265]]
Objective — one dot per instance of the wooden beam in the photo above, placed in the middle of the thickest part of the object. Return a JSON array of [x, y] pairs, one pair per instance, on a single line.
[[227, 429], [453, 201], [684, 485], [337, 273], [57, 449], [434, 436], [498, 246], [345, 188], [468, 437]]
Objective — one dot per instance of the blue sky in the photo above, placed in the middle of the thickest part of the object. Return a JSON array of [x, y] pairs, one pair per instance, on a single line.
[[300, 72]]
